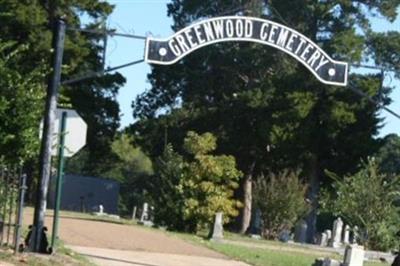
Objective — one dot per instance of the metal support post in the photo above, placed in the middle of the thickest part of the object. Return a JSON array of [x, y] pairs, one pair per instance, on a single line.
[[4, 214], [60, 173], [21, 200]]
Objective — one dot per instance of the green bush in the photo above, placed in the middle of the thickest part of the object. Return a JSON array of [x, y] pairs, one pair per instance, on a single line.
[[281, 199], [367, 199], [187, 192]]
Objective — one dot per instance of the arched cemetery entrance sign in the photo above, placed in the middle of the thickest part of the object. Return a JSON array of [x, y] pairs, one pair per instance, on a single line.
[[236, 28]]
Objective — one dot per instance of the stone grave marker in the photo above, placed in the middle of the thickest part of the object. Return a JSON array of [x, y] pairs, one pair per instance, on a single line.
[[354, 255], [300, 234], [337, 233], [218, 229], [346, 235], [145, 212]]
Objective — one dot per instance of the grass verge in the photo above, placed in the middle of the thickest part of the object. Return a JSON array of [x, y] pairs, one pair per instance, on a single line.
[[64, 256], [263, 252]]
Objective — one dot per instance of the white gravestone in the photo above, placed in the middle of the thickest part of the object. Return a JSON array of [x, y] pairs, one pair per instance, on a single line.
[[324, 240], [145, 212], [337, 233], [355, 236], [218, 229], [101, 209], [328, 235], [346, 235], [354, 255]]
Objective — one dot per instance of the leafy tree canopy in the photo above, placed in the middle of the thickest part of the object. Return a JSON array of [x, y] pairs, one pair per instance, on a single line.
[[368, 199]]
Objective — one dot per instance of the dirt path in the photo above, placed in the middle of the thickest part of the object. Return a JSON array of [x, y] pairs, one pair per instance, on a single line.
[[119, 245], [111, 257]]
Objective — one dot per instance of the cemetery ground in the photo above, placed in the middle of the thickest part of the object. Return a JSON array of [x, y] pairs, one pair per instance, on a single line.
[[107, 241]]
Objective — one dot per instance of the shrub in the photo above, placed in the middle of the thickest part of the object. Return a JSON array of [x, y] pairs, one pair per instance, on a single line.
[[367, 199], [280, 197], [189, 191]]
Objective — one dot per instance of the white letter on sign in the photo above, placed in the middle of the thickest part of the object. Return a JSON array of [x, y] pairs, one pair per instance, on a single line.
[[264, 31], [174, 47], [239, 28], [248, 29], [229, 28]]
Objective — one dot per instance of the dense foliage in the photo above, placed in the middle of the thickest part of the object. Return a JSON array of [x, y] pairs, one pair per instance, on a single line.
[[281, 200], [368, 199], [131, 169], [21, 98], [388, 155], [31, 23], [188, 190]]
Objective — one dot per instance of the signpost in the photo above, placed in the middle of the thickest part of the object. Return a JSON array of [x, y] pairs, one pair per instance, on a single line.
[[71, 138], [249, 29]]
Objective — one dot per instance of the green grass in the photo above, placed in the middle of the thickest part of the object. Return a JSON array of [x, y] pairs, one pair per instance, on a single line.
[[262, 257], [63, 256], [266, 253]]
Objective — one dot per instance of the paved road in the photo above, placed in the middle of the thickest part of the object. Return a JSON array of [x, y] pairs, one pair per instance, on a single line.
[[116, 244]]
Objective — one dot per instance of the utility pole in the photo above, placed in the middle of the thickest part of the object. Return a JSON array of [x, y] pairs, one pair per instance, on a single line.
[[47, 135]]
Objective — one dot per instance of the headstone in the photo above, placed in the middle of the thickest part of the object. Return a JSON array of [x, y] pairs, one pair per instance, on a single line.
[[255, 223], [218, 229], [326, 262], [284, 235], [330, 262], [134, 212], [300, 234], [354, 255], [328, 235], [346, 235], [337, 233], [101, 209], [145, 212], [323, 241], [354, 236]]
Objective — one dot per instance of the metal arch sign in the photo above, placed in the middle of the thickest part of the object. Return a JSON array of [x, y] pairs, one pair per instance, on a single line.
[[235, 28]]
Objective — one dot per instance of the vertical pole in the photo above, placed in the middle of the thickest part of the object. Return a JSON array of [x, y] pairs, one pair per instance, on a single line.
[[48, 130], [6, 175], [60, 173], [2, 198], [10, 210], [21, 199]]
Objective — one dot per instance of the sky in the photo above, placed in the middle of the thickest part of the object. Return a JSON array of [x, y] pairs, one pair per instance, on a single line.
[[149, 17]]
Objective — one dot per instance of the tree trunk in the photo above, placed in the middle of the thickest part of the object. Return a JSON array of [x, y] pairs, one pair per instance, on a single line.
[[314, 180], [247, 200]]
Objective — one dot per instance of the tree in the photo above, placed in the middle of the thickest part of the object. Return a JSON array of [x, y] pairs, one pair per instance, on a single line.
[[252, 97], [168, 200], [21, 97], [131, 169], [281, 200], [31, 23], [388, 156], [368, 200], [188, 192]]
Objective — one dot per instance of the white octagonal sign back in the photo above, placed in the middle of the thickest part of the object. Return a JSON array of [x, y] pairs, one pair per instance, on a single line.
[[75, 137]]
